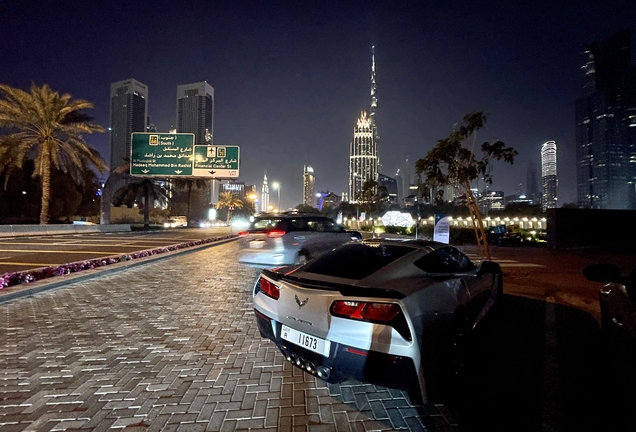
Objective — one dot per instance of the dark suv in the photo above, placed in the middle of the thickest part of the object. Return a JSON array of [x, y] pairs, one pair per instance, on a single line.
[[291, 239]]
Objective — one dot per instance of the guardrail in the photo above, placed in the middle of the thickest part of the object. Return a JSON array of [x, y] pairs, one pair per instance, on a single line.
[[31, 230]]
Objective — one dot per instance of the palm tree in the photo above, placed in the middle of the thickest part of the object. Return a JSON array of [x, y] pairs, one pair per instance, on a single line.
[[48, 128], [189, 184], [229, 201], [146, 190]]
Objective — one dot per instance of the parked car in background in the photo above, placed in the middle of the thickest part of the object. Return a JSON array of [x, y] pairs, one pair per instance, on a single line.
[[389, 312], [617, 363], [618, 308], [176, 221], [290, 238]]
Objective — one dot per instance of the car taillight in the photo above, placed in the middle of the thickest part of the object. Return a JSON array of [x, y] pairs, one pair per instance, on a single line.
[[269, 289], [374, 312], [276, 233], [366, 311], [242, 233]]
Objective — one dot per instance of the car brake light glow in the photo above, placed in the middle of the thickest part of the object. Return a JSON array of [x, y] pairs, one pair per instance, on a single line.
[[276, 233], [365, 311], [269, 289], [242, 233]]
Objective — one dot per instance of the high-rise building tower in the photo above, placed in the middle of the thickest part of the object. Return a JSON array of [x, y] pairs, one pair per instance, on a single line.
[[364, 159], [549, 175], [128, 114], [532, 188], [309, 190], [195, 111], [265, 195], [606, 126]]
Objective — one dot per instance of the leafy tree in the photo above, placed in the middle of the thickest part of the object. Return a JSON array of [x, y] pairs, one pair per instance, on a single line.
[[449, 163], [229, 201], [371, 196], [188, 184], [144, 192], [48, 128], [304, 208]]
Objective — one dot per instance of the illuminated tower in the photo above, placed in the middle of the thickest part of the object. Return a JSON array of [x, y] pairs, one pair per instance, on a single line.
[[364, 159], [308, 186], [549, 175], [265, 195]]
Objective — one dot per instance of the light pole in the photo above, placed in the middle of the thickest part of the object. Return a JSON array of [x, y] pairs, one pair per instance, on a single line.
[[276, 186]]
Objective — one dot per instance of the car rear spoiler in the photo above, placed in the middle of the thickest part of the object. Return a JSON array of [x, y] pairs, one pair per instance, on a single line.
[[345, 290]]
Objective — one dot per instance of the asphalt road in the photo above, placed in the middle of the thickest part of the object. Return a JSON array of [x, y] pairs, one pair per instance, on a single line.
[[26, 253], [193, 360]]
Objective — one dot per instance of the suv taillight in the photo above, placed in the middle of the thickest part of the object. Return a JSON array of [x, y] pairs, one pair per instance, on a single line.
[[242, 233], [276, 233]]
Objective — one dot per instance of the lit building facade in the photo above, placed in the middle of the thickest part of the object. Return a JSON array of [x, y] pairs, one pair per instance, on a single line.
[[265, 195], [128, 114], [549, 175], [309, 186], [364, 159], [195, 111], [606, 126]]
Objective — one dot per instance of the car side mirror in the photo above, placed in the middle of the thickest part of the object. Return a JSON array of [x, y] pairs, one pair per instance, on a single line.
[[489, 267], [602, 273]]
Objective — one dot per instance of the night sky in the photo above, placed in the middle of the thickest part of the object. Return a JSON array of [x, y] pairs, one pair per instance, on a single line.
[[291, 78]]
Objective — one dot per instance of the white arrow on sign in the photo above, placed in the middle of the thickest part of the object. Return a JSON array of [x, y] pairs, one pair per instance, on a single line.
[[145, 171], [178, 171]]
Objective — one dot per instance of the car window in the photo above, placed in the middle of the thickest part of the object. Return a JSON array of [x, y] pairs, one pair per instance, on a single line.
[[356, 260], [266, 223], [299, 224], [445, 260]]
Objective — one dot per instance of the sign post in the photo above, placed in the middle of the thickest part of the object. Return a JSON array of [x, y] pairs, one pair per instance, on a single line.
[[166, 155], [176, 155], [216, 161]]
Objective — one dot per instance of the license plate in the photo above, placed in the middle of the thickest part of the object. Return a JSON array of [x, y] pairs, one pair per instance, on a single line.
[[257, 244], [307, 341]]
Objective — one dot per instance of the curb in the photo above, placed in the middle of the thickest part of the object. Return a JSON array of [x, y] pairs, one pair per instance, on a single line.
[[30, 289]]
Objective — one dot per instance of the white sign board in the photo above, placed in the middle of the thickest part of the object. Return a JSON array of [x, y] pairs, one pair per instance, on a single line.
[[441, 231]]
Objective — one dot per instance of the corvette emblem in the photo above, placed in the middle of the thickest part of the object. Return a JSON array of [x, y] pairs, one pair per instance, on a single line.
[[301, 303]]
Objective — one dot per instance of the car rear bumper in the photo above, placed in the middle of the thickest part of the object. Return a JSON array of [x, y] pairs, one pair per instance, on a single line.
[[266, 257], [344, 362]]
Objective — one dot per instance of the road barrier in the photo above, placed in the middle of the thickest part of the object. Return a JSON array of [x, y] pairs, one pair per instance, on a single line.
[[32, 230]]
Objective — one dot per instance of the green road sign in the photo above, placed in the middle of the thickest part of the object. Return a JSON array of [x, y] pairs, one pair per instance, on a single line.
[[165, 155], [217, 161]]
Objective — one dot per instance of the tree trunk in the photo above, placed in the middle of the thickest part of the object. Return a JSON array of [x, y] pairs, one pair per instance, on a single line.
[[146, 207], [46, 194], [189, 200]]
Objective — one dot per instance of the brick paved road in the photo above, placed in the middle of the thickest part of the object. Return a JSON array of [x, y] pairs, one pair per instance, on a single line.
[[172, 345]]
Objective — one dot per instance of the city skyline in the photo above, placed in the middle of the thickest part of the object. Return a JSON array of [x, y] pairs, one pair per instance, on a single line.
[[291, 80]]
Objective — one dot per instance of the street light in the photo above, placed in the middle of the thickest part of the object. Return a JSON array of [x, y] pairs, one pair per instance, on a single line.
[[276, 186]]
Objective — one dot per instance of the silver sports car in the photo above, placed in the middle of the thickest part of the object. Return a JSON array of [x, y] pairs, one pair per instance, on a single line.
[[387, 312]]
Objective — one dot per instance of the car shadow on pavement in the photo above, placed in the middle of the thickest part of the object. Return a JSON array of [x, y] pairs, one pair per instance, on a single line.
[[537, 366]]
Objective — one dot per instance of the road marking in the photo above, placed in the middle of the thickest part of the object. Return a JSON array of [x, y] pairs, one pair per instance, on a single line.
[[61, 252], [518, 264], [30, 265]]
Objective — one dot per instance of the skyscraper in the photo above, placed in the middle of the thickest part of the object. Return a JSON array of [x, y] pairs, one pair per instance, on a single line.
[[606, 126], [309, 190], [265, 195], [195, 111], [128, 114], [364, 159], [549, 175], [532, 188]]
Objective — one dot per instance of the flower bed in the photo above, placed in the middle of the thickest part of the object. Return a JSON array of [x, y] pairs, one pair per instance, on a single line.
[[23, 277]]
